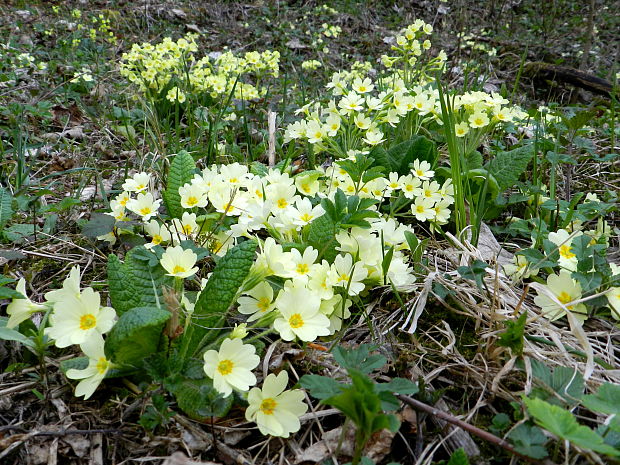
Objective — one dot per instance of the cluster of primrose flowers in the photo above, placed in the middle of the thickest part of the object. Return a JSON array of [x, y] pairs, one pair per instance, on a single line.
[[14, 60], [407, 60], [362, 111], [170, 69], [562, 293]]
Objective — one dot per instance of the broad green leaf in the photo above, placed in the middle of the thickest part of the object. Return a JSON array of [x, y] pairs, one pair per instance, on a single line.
[[98, 225], [513, 336], [136, 335], [606, 400], [321, 387], [8, 334], [507, 167], [18, 233], [181, 172], [529, 440], [402, 155], [564, 425], [359, 358], [220, 293], [458, 457], [562, 384], [399, 386], [6, 208], [123, 294], [8, 293], [198, 399], [148, 278], [322, 236]]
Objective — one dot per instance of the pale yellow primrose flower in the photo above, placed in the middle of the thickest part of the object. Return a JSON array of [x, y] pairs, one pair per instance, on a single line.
[[613, 296], [258, 302], [139, 183], [95, 372], [75, 319], [179, 262], [20, 309], [276, 411], [70, 287], [144, 205], [232, 366], [300, 314], [564, 290]]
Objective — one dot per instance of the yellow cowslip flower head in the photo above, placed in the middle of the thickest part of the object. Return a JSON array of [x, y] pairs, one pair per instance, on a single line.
[[275, 410], [557, 297], [175, 95], [231, 367], [76, 319], [179, 262], [98, 366], [20, 309]]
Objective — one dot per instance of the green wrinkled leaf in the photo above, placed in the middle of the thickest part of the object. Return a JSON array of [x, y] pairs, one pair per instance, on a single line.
[[198, 399], [220, 293], [121, 287], [322, 236], [6, 208], [564, 425], [148, 278], [401, 156], [181, 172], [606, 400], [136, 335], [507, 167], [399, 386], [98, 225]]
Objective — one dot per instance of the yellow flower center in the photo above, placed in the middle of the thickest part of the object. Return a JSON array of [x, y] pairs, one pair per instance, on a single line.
[[565, 298], [565, 251], [145, 211], [419, 209], [296, 321], [139, 187], [302, 268], [409, 187], [123, 201], [305, 187], [263, 303], [88, 321], [428, 193], [191, 201], [282, 203], [187, 229], [268, 406], [178, 269], [102, 365], [225, 367], [306, 217], [478, 122], [234, 180], [157, 239], [343, 277]]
